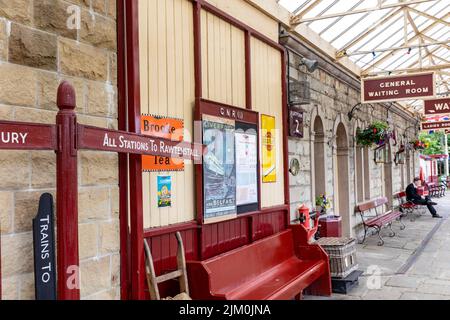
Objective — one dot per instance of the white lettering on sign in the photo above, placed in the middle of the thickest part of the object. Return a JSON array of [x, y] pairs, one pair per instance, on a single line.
[[150, 146], [441, 106], [397, 84], [225, 112], [45, 243], [13, 137]]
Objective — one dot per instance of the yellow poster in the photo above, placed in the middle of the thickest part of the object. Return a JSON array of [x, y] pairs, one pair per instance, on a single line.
[[269, 160]]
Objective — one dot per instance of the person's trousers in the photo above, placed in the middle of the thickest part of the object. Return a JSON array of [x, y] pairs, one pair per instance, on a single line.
[[426, 202]]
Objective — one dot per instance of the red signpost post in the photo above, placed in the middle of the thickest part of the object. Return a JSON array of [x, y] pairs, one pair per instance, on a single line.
[[66, 138]]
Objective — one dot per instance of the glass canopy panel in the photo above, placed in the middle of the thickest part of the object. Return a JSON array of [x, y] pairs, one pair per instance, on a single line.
[[374, 46]]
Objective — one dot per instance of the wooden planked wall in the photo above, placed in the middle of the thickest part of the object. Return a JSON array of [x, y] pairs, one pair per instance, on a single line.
[[167, 89]]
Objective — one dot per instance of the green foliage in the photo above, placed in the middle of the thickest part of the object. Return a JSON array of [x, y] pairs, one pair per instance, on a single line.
[[433, 142], [374, 134], [322, 201]]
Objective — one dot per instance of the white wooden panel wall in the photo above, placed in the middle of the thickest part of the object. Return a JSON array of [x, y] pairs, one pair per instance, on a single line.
[[223, 61], [167, 89], [267, 99]]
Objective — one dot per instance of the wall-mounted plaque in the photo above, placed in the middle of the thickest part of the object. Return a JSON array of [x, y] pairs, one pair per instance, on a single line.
[[296, 124]]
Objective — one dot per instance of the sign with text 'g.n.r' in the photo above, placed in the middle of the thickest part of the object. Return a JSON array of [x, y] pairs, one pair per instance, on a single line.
[[435, 125], [437, 106], [391, 89], [166, 128]]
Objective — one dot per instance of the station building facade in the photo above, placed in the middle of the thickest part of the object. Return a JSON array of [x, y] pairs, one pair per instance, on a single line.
[[185, 61]]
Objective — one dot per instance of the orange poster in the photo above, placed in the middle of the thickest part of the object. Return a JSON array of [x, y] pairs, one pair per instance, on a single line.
[[167, 128]]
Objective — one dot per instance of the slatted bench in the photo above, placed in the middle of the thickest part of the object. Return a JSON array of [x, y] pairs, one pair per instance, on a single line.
[[437, 188], [408, 207], [380, 220], [267, 269]]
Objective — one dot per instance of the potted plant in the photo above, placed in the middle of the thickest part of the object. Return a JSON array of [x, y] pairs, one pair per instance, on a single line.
[[377, 133], [322, 203]]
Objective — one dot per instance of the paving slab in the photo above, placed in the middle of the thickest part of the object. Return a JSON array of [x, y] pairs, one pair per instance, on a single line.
[[407, 267]]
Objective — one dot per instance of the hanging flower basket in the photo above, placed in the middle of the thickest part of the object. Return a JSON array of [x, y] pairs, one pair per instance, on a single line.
[[376, 134], [418, 145]]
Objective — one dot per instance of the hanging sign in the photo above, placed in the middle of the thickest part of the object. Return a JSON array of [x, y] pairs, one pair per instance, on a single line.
[[166, 128], [437, 106], [269, 168], [44, 250], [219, 169], [435, 125], [406, 87], [246, 167], [164, 191]]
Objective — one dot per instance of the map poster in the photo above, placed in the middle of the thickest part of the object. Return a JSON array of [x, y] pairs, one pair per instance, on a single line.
[[164, 184], [219, 169], [246, 166], [269, 159]]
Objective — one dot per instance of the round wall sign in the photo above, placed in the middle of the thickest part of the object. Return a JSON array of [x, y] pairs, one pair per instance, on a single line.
[[294, 167]]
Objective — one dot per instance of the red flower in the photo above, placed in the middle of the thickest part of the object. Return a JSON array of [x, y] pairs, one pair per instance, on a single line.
[[374, 130]]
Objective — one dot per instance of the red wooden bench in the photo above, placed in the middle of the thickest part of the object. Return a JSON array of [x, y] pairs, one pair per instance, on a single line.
[[381, 218], [408, 207], [437, 189], [267, 269]]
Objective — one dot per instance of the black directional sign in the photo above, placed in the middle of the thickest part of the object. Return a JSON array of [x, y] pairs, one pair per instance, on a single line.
[[44, 250]]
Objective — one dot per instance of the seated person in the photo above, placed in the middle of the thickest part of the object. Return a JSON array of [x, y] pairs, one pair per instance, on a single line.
[[414, 197]]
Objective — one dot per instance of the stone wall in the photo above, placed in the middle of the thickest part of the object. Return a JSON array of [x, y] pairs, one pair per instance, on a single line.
[[37, 52], [332, 99]]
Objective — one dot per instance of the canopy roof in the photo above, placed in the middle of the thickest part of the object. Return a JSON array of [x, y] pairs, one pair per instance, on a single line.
[[383, 37]]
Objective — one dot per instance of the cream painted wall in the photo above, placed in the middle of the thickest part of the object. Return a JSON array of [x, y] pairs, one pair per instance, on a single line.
[[168, 84], [251, 16], [223, 61], [167, 89], [267, 99]]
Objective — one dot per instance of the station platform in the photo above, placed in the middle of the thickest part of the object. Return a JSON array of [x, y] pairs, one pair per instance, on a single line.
[[413, 265]]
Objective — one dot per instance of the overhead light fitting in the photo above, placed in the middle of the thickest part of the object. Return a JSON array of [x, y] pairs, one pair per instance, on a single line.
[[311, 65]]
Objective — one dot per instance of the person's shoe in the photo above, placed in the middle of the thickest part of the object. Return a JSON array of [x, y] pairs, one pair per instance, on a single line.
[[436, 216]]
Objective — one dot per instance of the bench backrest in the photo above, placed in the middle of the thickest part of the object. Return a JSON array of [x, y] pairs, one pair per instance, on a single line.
[[246, 263], [400, 195], [372, 204]]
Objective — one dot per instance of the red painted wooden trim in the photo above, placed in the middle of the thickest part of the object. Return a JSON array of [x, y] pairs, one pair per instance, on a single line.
[[220, 110], [154, 232], [285, 115], [135, 161], [67, 196], [248, 71], [38, 136], [123, 158], [238, 24], [197, 50]]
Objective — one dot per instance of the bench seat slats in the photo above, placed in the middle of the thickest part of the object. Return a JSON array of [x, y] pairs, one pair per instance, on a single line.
[[272, 284], [267, 269]]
